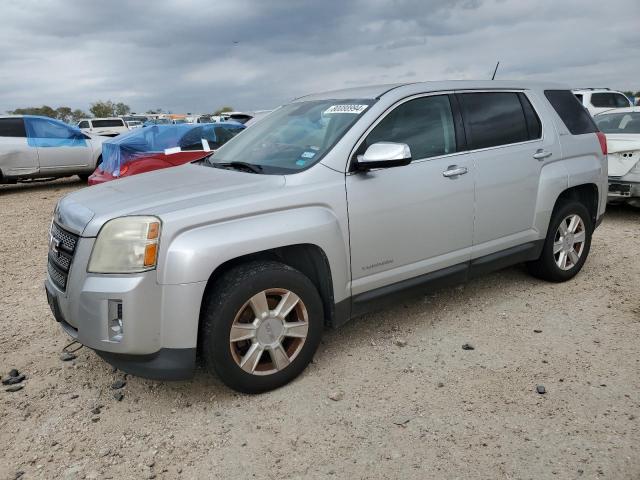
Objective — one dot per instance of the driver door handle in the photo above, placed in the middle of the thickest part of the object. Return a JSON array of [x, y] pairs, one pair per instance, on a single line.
[[541, 154], [453, 171]]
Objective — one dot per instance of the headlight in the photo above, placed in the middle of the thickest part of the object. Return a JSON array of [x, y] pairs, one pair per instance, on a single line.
[[126, 245]]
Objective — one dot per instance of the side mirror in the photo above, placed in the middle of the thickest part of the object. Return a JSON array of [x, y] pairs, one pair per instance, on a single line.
[[384, 155]]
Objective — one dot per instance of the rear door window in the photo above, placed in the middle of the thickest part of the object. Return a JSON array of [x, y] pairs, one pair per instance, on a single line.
[[571, 112], [12, 127], [83, 124], [494, 118], [425, 124], [609, 100]]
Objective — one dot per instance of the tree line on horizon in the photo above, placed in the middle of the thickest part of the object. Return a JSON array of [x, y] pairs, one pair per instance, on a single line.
[[97, 109]]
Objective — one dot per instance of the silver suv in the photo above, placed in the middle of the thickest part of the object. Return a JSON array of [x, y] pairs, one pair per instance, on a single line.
[[326, 208]]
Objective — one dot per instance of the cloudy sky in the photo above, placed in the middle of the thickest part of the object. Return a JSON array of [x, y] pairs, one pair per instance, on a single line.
[[197, 55]]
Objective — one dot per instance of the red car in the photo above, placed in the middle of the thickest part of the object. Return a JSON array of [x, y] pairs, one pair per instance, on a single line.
[[160, 146]]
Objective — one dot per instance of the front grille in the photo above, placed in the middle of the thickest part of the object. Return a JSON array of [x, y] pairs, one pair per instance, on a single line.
[[62, 247]]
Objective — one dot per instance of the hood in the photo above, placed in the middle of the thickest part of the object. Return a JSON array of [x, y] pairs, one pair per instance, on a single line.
[[620, 143], [159, 192]]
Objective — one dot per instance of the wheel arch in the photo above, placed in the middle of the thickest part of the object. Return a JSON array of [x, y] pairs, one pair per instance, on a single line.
[[310, 259], [586, 193]]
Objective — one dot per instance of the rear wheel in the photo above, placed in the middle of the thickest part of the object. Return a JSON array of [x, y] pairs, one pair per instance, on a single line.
[[567, 244], [262, 324], [83, 176]]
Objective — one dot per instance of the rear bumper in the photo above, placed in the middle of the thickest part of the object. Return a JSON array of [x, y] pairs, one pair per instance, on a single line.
[[621, 191]]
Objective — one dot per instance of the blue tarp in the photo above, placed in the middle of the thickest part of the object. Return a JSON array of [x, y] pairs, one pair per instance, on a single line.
[[45, 132], [128, 146]]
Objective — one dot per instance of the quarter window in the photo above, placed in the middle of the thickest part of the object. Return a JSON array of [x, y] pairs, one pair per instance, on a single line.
[[571, 112], [12, 127], [83, 124], [495, 118], [425, 124]]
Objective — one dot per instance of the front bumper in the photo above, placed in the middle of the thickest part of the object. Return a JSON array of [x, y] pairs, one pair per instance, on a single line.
[[163, 364], [100, 176], [159, 322]]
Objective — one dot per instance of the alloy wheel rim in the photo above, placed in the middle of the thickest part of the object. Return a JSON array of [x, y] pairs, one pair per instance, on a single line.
[[568, 243], [269, 331]]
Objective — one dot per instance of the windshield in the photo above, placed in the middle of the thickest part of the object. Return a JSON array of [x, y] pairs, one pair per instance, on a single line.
[[293, 137], [619, 122]]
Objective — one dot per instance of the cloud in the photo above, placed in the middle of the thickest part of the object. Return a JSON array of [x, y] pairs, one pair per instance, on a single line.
[[197, 55]]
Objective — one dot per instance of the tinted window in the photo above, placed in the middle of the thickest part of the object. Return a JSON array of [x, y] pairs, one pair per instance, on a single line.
[[534, 127], [107, 123], [579, 97], [12, 127], [83, 124], [493, 119], [573, 114], [609, 100], [425, 124]]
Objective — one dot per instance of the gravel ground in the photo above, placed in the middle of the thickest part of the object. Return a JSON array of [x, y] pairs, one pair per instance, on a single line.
[[424, 409]]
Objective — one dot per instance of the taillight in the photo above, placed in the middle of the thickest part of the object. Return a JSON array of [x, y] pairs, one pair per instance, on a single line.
[[123, 170], [603, 142]]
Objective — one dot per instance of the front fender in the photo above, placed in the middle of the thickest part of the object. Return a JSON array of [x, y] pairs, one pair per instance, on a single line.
[[193, 255]]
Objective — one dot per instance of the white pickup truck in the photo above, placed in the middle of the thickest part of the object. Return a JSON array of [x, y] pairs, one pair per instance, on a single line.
[[106, 127]]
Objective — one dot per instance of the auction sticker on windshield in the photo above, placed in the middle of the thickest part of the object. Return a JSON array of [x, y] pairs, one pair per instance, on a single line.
[[357, 109]]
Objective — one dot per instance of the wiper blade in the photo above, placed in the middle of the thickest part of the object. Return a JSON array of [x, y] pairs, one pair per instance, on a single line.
[[252, 167]]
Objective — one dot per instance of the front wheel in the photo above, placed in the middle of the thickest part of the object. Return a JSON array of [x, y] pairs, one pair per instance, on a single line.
[[262, 324], [567, 244]]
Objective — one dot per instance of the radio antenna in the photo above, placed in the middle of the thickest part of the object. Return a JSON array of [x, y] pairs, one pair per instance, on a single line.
[[493, 77]]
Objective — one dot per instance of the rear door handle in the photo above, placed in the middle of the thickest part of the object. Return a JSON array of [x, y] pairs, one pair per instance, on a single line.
[[453, 171], [541, 154]]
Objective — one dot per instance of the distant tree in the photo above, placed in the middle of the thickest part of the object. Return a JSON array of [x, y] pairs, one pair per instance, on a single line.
[[222, 110], [78, 115], [60, 113], [629, 94], [122, 109], [102, 109], [64, 114], [154, 112]]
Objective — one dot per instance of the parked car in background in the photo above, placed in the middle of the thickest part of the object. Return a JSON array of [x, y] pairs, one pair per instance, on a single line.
[[160, 146], [239, 117], [106, 127], [134, 124], [257, 116], [622, 129], [329, 206], [598, 100], [41, 147]]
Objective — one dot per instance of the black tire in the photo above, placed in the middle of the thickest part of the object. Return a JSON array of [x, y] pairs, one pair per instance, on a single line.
[[228, 296], [546, 267], [83, 176]]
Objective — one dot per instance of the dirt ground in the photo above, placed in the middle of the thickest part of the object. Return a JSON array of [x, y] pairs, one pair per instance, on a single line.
[[427, 409]]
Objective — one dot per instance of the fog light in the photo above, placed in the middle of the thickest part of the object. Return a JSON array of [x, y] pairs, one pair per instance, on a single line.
[[116, 328]]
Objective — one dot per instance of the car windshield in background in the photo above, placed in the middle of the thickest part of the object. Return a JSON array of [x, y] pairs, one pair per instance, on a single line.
[[293, 137], [619, 122]]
